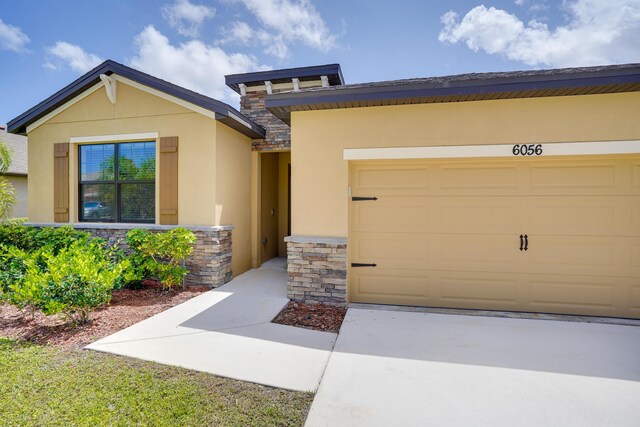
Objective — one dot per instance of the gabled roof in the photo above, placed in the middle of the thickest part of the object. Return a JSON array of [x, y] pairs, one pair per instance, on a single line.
[[462, 87], [223, 112], [18, 145], [332, 71]]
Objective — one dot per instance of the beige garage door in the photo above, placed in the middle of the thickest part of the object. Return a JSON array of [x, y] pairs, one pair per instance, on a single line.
[[448, 234]]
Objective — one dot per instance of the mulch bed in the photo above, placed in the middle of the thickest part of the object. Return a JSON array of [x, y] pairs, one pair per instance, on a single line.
[[320, 317], [126, 308]]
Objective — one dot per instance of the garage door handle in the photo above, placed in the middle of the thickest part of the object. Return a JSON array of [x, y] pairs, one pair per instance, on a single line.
[[521, 242], [359, 264], [362, 199], [526, 242]]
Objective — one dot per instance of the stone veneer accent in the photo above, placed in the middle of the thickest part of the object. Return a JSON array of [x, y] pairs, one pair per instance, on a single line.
[[210, 263], [317, 269], [278, 133]]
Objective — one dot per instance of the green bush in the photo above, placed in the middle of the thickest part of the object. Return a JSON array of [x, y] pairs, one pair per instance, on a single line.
[[66, 271], [14, 264], [13, 232], [73, 282], [160, 255]]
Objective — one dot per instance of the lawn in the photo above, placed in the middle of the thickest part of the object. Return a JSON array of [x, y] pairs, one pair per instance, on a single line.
[[49, 386]]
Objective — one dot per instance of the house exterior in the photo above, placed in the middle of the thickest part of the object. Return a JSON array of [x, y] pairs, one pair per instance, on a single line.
[[501, 191], [17, 174]]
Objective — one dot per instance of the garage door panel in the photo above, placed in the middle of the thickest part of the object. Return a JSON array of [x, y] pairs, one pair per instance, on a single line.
[[583, 215], [393, 250], [634, 299], [383, 179], [635, 175], [395, 214], [486, 215], [480, 177], [392, 287], [477, 290], [492, 253], [584, 255], [603, 296], [585, 175]]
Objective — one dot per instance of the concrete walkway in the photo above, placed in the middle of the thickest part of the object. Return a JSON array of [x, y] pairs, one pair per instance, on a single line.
[[227, 332], [394, 368]]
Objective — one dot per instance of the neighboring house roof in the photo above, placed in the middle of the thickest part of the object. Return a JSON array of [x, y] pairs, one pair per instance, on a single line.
[[462, 87], [332, 71], [222, 112], [18, 145]]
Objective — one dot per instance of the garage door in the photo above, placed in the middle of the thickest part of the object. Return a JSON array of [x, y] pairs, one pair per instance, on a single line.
[[555, 235]]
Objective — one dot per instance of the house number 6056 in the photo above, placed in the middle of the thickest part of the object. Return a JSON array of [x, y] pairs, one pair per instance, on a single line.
[[527, 149]]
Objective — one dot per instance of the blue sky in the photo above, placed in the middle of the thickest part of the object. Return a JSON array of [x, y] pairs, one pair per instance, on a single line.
[[44, 45]]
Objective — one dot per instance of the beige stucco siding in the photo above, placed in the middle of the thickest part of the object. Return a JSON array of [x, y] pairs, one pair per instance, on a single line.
[[320, 175], [19, 184], [134, 112], [233, 192]]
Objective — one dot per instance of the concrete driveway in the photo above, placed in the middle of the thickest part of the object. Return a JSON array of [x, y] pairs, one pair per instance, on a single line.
[[395, 368]]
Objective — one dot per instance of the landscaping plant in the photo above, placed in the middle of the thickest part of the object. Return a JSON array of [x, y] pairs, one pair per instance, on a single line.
[[160, 255], [66, 271], [7, 192]]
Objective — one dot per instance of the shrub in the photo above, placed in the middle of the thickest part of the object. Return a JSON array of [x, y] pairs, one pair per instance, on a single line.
[[14, 289], [13, 232], [7, 197], [74, 281], [159, 255]]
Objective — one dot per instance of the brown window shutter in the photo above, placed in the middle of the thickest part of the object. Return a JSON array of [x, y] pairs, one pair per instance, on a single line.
[[169, 180], [61, 182]]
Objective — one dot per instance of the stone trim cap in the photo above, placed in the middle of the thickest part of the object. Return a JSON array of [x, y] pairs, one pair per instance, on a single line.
[[317, 239]]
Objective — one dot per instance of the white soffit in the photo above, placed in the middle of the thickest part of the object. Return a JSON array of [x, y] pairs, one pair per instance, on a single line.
[[502, 150]]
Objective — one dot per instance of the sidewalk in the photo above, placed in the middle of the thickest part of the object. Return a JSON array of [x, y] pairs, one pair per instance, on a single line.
[[228, 332]]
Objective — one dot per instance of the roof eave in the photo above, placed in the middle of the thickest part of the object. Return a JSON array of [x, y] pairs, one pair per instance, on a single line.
[[282, 104], [221, 110], [234, 80]]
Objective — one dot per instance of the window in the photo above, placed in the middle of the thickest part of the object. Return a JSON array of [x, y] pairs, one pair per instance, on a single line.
[[117, 182]]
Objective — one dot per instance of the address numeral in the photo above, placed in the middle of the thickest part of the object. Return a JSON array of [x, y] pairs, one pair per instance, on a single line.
[[527, 149]]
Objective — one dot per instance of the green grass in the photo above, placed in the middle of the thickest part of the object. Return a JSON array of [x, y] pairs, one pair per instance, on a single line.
[[44, 386]]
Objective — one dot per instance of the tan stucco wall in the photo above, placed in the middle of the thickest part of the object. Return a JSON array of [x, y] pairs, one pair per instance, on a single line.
[[320, 175], [134, 112], [269, 207], [20, 192], [233, 192], [283, 201]]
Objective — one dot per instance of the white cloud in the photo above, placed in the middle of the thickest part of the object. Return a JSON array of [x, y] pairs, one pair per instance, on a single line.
[[186, 17], [193, 65], [282, 22], [74, 56], [597, 32], [238, 32], [242, 33], [12, 38]]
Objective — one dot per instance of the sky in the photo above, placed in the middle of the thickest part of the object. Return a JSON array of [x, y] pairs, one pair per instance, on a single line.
[[45, 45]]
